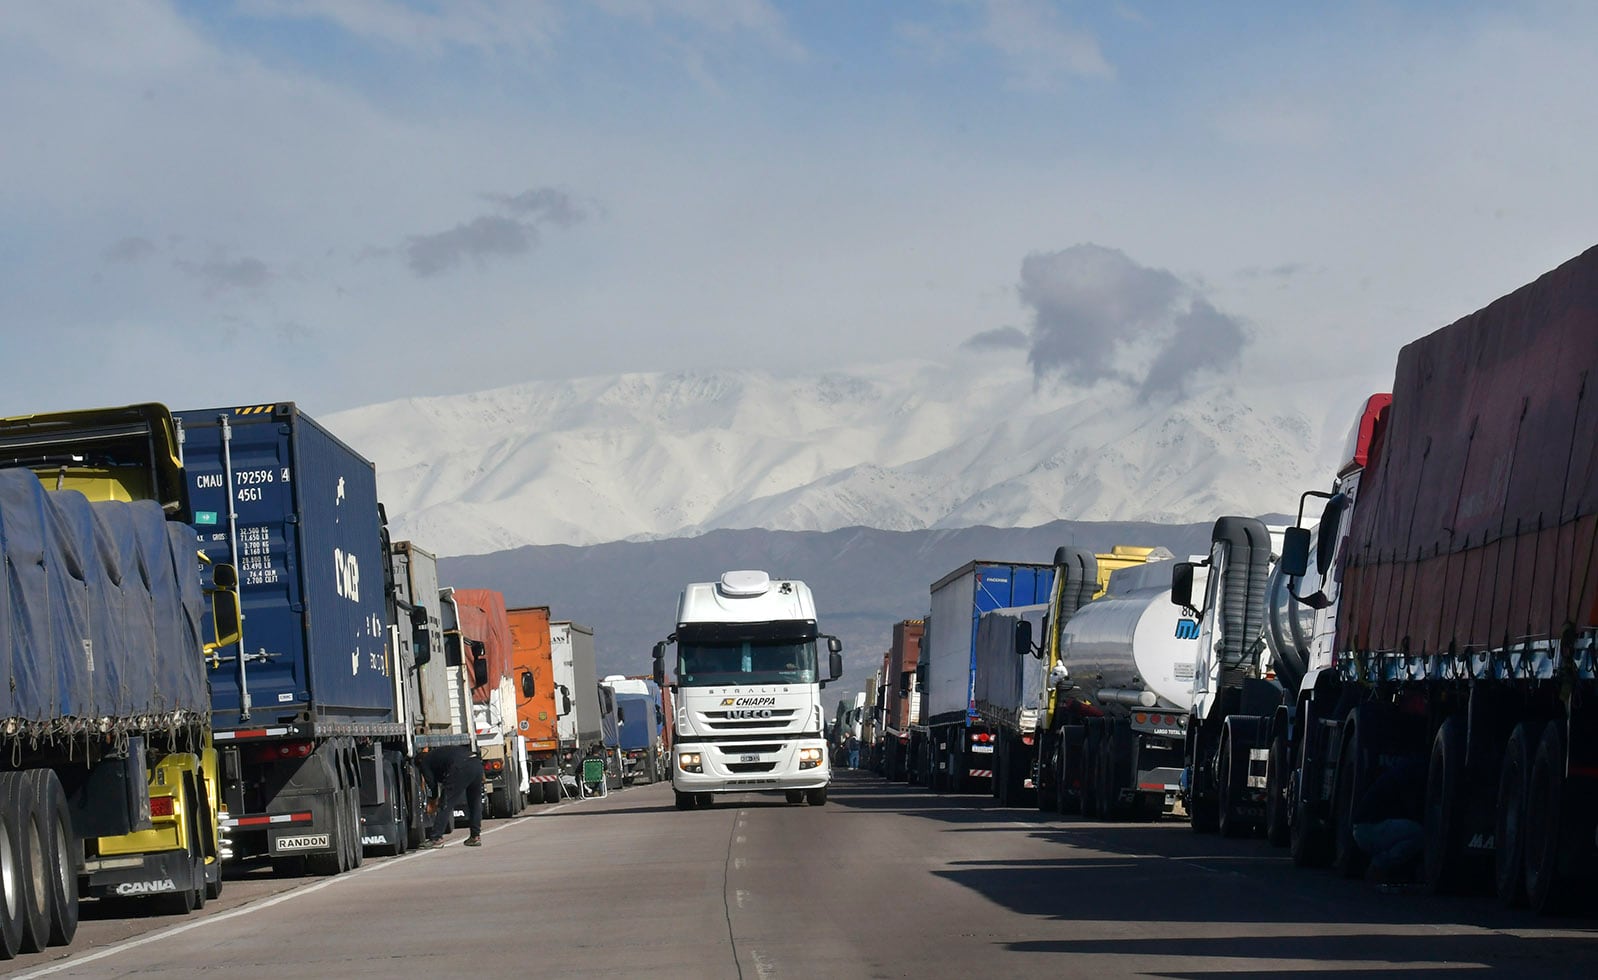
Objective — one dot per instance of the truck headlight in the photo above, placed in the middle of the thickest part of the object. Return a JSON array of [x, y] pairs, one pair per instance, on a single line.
[[689, 761], [809, 758]]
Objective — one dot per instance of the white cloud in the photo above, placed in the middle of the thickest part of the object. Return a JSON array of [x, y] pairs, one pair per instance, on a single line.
[[1037, 44], [517, 26]]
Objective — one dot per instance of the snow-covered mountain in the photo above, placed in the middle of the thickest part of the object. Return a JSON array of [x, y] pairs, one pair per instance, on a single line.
[[899, 447]]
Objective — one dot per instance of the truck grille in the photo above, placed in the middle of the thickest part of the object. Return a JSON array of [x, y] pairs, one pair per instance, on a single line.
[[736, 721], [746, 767]]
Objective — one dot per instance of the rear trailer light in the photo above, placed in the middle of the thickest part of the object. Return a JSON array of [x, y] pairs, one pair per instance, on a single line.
[[273, 751], [162, 806]]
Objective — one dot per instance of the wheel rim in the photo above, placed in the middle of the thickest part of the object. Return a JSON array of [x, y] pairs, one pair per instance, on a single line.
[[10, 880]]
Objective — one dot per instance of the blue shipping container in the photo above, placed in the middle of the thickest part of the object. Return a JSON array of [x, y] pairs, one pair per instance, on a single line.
[[311, 568]]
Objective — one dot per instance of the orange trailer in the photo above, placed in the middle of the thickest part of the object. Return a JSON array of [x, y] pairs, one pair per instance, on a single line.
[[536, 712]]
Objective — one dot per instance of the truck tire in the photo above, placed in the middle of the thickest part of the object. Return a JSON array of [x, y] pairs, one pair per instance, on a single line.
[[1545, 819], [30, 832], [352, 813], [1276, 801], [1070, 780], [1347, 857], [816, 797], [1231, 784], [1308, 842], [63, 883], [1047, 785], [795, 796], [12, 863], [1443, 855], [684, 801], [552, 791], [1514, 778], [1090, 772]]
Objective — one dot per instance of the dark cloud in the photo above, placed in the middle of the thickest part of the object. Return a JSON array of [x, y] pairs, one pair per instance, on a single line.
[[999, 338], [1098, 315], [513, 230], [1286, 270], [1203, 338], [133, 249], [480, 238], [218, 274], [542, 204]]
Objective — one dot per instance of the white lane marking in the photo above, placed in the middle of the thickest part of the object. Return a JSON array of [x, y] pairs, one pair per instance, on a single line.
[[73, 962], [764, 967], [738, 864], [740, 839], [743, 897]]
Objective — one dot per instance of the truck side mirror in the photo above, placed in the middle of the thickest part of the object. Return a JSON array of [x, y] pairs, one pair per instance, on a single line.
[[834, 645], [565, 701], [454, 655], [1182, 584], [1331, 529], [226, 616], [660, 664], [835, 659], [1295, 552], [479, 671], [621, 713], [1023, 637], [529, 688], [421, 641]]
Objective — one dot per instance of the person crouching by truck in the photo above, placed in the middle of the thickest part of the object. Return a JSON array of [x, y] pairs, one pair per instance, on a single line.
[[454, 777]]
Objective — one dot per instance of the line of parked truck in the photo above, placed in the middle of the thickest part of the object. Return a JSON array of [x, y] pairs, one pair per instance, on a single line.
[[1432, 615], [215, 653]]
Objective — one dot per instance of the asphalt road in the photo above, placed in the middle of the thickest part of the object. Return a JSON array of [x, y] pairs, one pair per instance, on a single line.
[[884, 881]]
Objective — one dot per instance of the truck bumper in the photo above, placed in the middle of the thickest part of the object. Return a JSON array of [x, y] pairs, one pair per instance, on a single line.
[[138, 875], [734, 768]]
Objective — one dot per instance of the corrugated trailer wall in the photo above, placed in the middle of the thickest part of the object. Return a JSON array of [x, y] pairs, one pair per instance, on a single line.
[[1479, 526], [310, 561], [959, 599], [529, 631]]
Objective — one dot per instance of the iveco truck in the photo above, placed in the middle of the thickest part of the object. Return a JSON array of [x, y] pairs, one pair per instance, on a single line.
[[747, 687]]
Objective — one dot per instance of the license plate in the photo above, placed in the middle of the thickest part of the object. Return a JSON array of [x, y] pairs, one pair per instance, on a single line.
[[749, 758], [981, 748]]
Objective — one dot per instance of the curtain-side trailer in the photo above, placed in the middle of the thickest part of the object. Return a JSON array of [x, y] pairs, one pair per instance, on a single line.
[[110, 785]]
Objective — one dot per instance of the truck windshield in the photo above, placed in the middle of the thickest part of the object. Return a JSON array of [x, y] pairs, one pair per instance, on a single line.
[[746, 662]]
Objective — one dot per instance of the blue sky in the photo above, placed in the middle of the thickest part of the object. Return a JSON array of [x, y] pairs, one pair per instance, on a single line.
[[347, 201]]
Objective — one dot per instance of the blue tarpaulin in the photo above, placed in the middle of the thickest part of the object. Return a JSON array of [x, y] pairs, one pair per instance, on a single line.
[[99, 614]]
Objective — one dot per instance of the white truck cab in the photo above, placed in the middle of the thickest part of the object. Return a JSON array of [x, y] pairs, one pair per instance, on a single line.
[[747, 686]]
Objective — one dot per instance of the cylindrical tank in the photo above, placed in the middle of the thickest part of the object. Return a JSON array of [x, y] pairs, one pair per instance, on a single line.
[[1134, 646]]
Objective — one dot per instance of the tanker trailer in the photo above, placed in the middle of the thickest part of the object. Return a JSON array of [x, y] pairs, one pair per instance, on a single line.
[[1124, 686]]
